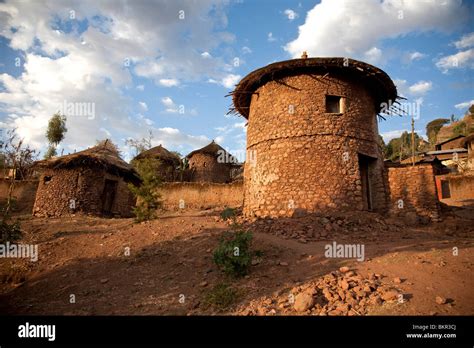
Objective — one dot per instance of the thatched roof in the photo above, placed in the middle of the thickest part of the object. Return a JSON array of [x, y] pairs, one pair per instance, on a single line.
[[160, 153], [212, 149], [376, 80], [104, 155]]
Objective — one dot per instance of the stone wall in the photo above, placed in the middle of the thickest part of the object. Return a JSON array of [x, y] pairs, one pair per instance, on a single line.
[[83, 187], [167, 171], [201, 195], [24, 194], [205, 168], [413, 192], [453, 144], [307, 160], [461, 187]]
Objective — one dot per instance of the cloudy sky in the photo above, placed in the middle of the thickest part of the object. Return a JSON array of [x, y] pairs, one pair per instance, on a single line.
[[118, 69]]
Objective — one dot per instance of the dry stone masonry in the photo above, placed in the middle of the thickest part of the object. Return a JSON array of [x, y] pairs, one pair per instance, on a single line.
[[315, 137], [413, 193]]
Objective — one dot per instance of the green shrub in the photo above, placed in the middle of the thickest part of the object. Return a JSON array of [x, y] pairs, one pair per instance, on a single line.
[[148, 198], [228, 213], [221, 296], [233, 255], [9, 232]]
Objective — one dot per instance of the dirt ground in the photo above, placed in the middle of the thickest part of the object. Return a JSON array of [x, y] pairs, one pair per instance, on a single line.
[[165, 267]]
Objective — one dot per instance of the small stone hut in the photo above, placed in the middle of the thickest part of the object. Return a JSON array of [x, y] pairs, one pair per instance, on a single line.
[[169, 162], [211, 164], [313, 136], [93, 181]]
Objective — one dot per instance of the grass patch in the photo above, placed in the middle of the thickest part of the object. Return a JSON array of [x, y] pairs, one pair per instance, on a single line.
[[221, 296]]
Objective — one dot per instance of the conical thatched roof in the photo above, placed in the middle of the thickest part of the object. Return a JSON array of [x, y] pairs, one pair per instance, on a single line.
[[160, 153], [211, 149], [103, 155], [376, 80]]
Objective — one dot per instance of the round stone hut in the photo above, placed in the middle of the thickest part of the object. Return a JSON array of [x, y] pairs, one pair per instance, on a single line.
[[92, 182], [211, 164], [312, 136], [169, 162]]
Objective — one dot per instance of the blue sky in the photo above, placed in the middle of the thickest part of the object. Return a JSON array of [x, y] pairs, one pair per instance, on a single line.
[[120, 69]]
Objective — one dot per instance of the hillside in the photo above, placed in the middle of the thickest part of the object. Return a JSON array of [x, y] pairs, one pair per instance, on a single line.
[[464, 126]]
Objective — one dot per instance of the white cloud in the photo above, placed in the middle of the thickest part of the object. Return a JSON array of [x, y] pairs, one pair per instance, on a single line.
[[373, 55], [246, 50], [420, 88], [168, 102], [290, 14], [351, 28], [464, 105], [465, 42], [387, 136], [240, 125], [95, 64], [412, 56], [230, 80], [169, 82], [172, 108], [140, 87], [206, 55], [143, 106], [270, 37], [462, 59]]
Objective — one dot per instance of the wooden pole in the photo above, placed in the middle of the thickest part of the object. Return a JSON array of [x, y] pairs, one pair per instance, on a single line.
[[413, 140]]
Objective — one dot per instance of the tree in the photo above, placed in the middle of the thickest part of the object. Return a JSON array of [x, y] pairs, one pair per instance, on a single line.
[[55, 133], [140, 145], [433, 128], [400, 148], [18, 158], [460, 129], [382, 145], [148, 197], [183, 167], [50, 152]]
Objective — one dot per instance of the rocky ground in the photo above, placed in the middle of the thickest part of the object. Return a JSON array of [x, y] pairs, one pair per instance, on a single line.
[[114, 266]]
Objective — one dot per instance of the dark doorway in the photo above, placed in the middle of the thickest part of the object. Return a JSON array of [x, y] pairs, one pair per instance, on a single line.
[[445, 192], [365, 165], [108, 196]]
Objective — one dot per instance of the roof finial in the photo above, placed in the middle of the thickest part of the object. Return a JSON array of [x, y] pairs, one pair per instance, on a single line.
[[304, 55]]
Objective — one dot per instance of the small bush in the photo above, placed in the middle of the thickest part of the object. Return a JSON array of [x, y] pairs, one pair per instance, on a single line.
[[221, 296], [228, 213], [9, 232], [233, 255], [148, 198]]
